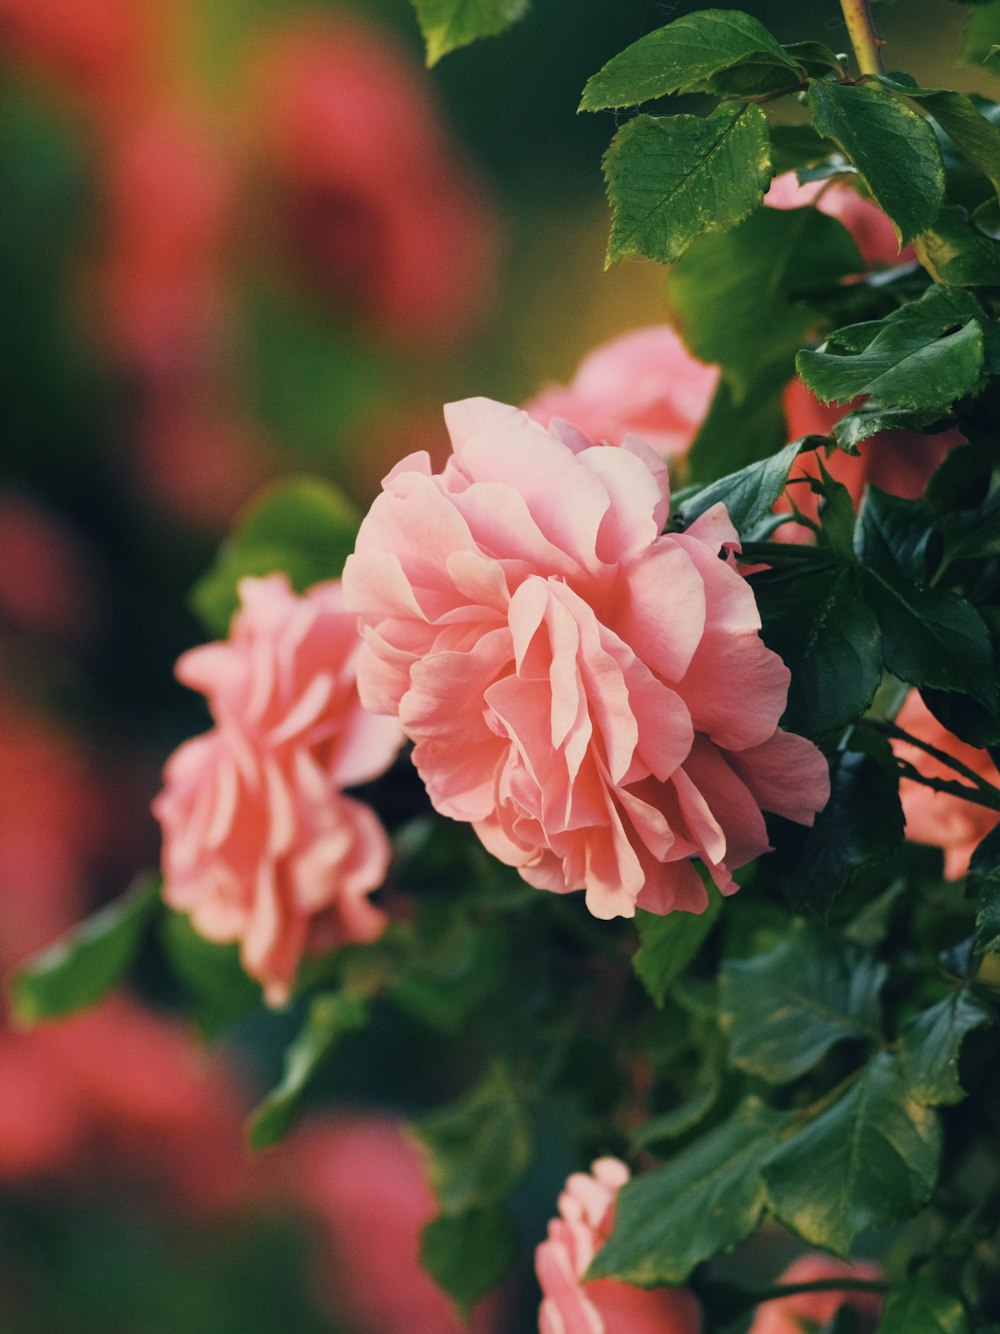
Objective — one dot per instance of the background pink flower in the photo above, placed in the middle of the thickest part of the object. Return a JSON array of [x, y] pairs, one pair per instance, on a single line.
[[592, 696], [806, 1311], [644, 382], [872, 231], [937, 818], [604, 1306], [259, 844]]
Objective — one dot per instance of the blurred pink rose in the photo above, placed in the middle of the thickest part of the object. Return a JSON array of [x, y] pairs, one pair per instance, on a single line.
[[592, 696], [872, 231], [937, 818], [48, 577], [364, 1184], [644, 382], [259, 844], [375, 199], [806, 1311], [603, 1306]]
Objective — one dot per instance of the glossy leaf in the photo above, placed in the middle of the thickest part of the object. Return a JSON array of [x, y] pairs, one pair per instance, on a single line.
[[469, 1254], [930, 1044], [748, 495], [892, 534], [976, 138], [956, 252], [671, 178], [449, 24]]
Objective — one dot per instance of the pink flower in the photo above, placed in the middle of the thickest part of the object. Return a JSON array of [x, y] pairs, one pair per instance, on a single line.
[[938, 818], [603, 1306], [364, 1184], [806, 1311], [259, 844], [593, 697], [872, 231], [644, 382]]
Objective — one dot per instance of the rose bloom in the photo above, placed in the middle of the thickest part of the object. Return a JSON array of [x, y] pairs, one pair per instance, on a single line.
[[259, 843], [938, 818], [593, 697], [603, 1306], [807, 1311], [363, 1183], [644, 382]]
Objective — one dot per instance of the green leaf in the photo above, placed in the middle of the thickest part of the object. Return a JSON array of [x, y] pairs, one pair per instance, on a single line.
[[82, 966], [817, 57], [920, 1306], [671, 178], [956, 252], [705, 1201], [453, 966], [331, 1017], [837, 515], [467, 1255], [684, 56], [856, 427], [796, 146], [739, 429], [748, 495], [222, 990], [449, 24], [828, 637], [930, 1043], [893, 149], [746, 300], [669, 943], [965, 125], [784, 1010], [892, 534], [478, 1146], [679, 1120], [879, 1150], [932, 638], [982, 35], [301, 526], [983, 882]]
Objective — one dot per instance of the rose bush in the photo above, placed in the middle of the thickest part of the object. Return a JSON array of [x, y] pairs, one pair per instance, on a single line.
[[805, 1311]]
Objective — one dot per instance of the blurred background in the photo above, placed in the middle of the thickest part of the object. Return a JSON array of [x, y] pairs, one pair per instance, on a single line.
[[241, 239]]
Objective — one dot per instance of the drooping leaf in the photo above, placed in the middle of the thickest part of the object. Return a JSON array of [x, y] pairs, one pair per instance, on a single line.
[[859, 425], [82, 966], [748, 495], [222, 990], [302, 526], [893, 149], [447, 25], [880, 1151], [962, 121], [892, 534], [477, 1147], [785, 1009], [684, 56], [921, 1306], [705, 1201], [669, 943], [469, 1254], [956, 252], [746, 299], [931, 1042], [331, 1017], [671, 178]]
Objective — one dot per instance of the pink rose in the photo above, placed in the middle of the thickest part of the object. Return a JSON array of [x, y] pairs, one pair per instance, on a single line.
[[259, 844], [872, 231], [603, 1306], [938, 818], [806, 1311], [644, 382], [592, 696]]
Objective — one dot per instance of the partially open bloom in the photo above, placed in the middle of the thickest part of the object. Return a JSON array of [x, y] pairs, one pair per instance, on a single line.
[[592, 696], [807, 1311], [259, 843], [938, 818], [644, 382], [604, 1306]]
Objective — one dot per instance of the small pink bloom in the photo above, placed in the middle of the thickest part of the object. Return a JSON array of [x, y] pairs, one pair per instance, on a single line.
[[937, 818], [644, 382], [604, 1306], [592, 696], [806, 1311], [259, 843], [872, 231]]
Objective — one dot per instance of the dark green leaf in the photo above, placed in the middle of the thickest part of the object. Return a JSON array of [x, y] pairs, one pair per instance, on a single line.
[[893, 149], [707, 1200], [837, 515], [828, 637], [301, 526], [920, 1306], [671, 178], [930, 1044], [82, 966], [222, 991], [683, 57], [330, 1018], [448, 24], [962, 121], [679, 1120], [856, 427], [983, 882], [745, 300], [738, 430], [982, 36], [453, 966], [784, 1010], [817, 57], [478, 1146], [748, 495], [879, 1150], [669, 943], [795, 146], [467, 1255], [954, 251], [892, 534]]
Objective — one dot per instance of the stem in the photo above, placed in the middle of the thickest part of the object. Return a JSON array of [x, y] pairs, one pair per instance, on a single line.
[[818, 1285], [898, 734], [862, 33], [979, 797]]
